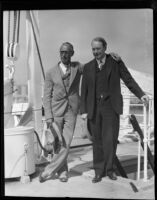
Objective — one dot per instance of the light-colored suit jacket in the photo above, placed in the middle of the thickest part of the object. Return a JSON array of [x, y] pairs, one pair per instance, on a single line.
[[55, 99]]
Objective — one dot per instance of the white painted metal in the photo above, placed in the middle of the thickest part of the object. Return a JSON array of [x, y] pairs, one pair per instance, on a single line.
[[14, 148], [145, 144], [34, 79], [126, 104], [139, 158], [149, 121]]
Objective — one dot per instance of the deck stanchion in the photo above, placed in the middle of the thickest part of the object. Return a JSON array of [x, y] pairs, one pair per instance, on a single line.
[[139, 158], [145, 143], [153, 112], [149, 121]]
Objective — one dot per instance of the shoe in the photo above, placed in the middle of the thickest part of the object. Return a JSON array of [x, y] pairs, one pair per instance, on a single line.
[[103, 174], [41, 179], [97, 178], [63, 177], [112, 176]]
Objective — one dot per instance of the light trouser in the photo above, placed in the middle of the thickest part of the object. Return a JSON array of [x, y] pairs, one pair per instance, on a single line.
[[66, 124]]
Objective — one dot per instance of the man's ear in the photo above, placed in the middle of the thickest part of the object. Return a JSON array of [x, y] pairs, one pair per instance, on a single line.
[[72, 53]]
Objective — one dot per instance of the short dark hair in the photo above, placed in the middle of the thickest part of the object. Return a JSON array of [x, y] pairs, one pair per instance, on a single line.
[[68, 44], [100, 39]]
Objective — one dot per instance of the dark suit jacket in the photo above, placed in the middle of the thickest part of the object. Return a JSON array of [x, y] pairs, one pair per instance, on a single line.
[[115, 72]]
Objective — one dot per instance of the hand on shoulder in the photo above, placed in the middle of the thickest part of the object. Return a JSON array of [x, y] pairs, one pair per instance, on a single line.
[[115, 56]]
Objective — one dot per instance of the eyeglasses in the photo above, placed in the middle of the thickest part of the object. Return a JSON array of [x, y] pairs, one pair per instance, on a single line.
[[65, 52]]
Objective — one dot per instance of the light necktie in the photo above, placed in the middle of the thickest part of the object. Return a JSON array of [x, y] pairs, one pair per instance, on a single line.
[[100, 64], [68, 70], [67, 73]]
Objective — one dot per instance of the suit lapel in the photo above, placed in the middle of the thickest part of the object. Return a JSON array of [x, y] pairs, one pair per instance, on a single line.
[[93, 71], [59, 75], [73, 73], [108, 66]]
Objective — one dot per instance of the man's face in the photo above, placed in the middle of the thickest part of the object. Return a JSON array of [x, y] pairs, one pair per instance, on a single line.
[[98, 50], [65, 54]]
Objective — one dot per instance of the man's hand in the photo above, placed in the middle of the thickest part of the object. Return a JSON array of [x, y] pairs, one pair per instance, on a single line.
[[84, 116], [145, 99], [49, 122], [115, 56]]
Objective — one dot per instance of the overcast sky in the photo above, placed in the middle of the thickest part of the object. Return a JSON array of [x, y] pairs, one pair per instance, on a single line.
[[128, 32]]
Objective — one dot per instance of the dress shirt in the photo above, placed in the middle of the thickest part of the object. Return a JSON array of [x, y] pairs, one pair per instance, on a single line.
[[64, 68], [101, 62]]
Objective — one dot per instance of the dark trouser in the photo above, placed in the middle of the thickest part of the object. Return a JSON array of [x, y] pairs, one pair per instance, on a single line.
[[105, 129]]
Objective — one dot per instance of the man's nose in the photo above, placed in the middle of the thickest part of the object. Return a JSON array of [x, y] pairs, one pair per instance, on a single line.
[[95, 52], [64, 53]]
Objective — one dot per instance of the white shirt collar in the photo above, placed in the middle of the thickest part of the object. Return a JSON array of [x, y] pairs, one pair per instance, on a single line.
[[103, 60], [63, 67]]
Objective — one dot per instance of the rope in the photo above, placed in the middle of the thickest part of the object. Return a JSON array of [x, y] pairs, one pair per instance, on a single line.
[[15, 36], [40, 142], [21, 111], [14, 25], [8, 33], [37, 47], [9, 27], [14, 30], [18, 26]]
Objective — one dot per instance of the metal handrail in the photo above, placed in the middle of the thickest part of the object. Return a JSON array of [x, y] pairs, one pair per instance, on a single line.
[[146, 140]]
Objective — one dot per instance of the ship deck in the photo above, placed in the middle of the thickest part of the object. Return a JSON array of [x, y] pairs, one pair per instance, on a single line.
[[80, 177]]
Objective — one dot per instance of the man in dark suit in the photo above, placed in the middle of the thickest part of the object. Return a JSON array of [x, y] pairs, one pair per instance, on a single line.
[[102, 104]]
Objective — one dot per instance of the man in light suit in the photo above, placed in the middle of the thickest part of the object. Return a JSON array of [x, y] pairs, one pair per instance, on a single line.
[[61, 103], [101, 104]]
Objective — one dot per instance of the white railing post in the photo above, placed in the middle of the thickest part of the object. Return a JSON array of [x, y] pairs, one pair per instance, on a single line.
[[152, 111], [146, 126], [148, 117], [145, 143], [149, 121], [139, 158]]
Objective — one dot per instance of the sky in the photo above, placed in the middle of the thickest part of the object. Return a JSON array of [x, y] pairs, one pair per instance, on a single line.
[[128, 32]]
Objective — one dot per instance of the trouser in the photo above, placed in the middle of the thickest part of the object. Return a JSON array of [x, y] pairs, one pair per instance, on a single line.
[[105, 129], [66, 126]]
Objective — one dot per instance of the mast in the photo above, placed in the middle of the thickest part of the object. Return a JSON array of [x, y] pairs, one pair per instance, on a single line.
[[34, 73]]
